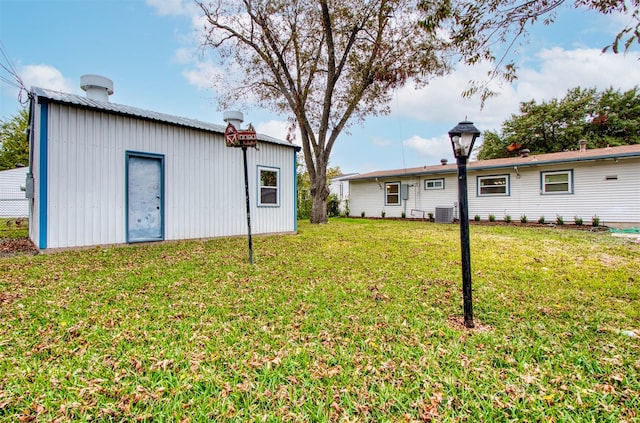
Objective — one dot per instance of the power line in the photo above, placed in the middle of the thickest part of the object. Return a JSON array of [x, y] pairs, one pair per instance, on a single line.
[[13, 79]]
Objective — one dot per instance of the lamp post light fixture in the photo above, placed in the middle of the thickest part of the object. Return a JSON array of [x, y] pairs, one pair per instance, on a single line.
[[462, 138]]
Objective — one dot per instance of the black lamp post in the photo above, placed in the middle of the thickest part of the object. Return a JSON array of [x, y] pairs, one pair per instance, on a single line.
[[462, 138]]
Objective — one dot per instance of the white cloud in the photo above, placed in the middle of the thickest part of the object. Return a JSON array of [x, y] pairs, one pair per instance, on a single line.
[[277, 129], [202, 75], [184, 56], [381, 142], [430, 149], [442, 101], [550, 76], [273, 128], [560, 70], [46, 76], [168, 7]]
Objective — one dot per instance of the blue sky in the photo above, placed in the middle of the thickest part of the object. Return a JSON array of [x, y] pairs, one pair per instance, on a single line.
[[150, 50]]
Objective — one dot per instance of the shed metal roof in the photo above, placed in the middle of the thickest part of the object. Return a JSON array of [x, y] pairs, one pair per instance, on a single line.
[[620, 152], [51, 96]]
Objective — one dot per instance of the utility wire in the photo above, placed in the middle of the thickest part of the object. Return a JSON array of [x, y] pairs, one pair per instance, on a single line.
[[13, 79]]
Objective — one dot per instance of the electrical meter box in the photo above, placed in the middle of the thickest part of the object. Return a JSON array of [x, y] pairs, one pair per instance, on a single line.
[[28, 191], [404, 191]]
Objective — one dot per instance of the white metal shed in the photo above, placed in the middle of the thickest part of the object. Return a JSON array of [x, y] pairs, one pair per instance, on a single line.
[[104, 173]]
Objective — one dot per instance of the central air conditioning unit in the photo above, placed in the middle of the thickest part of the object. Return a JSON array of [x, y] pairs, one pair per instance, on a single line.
[[444, 214]]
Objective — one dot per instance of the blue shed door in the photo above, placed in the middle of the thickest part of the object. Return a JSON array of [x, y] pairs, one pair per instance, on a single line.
[[145, 214]]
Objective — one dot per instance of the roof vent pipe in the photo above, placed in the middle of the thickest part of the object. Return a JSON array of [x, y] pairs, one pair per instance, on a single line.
[[443, 162], [98, 88], [525, 152], [233, 117], [583, 145]]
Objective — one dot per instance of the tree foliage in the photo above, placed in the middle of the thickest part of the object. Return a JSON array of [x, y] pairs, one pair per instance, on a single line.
[[14, 145], [487, 30], [329, 63], [603, 118]]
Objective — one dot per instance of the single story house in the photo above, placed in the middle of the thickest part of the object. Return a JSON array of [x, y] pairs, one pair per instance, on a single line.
[[602, 182], [104, 173], [339, 186], [13, 202]]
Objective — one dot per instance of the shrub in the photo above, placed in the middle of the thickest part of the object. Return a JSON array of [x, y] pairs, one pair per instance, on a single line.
[[595, 220], [383, 214], [492, 218], [430, 216], [333, 205], [347, 210], [507, 218], [403, 215], [523, 218], [578, 220], [304, 207], [559, 220], [362, 214], [476, 218], [541, 220]]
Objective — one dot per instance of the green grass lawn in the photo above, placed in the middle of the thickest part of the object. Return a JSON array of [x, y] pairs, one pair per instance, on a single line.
[[356, 320], [14, 228]]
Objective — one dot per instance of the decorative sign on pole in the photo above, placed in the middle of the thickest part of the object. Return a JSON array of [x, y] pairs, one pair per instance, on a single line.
[[243, 138], [240, 137]]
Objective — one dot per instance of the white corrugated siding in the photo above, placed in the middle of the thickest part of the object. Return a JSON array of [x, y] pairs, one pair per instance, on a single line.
[[13, 202], [616, 200], [204, 180]]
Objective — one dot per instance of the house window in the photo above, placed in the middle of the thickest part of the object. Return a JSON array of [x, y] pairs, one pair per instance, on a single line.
[[493, 185], [269, 186], [392, 193], [434, 184], [560, 182]]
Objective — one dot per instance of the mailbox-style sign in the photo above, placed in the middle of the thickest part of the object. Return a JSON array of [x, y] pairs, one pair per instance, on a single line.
[[240, 138]]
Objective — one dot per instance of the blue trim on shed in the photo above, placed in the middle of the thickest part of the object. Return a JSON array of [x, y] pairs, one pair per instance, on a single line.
[[44, 171], [295, 190]]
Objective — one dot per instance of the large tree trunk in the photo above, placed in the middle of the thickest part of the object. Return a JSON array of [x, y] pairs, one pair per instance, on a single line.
[[319, 195]]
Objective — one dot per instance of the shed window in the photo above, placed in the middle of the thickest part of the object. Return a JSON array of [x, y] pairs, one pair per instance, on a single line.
[[560, 182], [269, 186], [392, 193], [493, 185], [434, 184]]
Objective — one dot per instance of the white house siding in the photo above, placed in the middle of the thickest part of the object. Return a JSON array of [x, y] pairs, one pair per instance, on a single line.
[[432, 198], [369, 196], [203, 179], [366, 197], [13, 202], [593, 195], [340, 187], [613, 200]]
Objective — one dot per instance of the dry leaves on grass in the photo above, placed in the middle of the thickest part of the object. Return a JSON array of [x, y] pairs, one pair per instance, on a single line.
[[11, 247]]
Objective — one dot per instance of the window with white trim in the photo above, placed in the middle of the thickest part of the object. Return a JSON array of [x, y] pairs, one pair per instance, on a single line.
[[557, 182], [493, 185], [434, 183], [269, 186], [392, 193]]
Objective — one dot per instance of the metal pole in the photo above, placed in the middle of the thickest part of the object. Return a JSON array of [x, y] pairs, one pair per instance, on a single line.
[[464, 242], [246, 193]]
